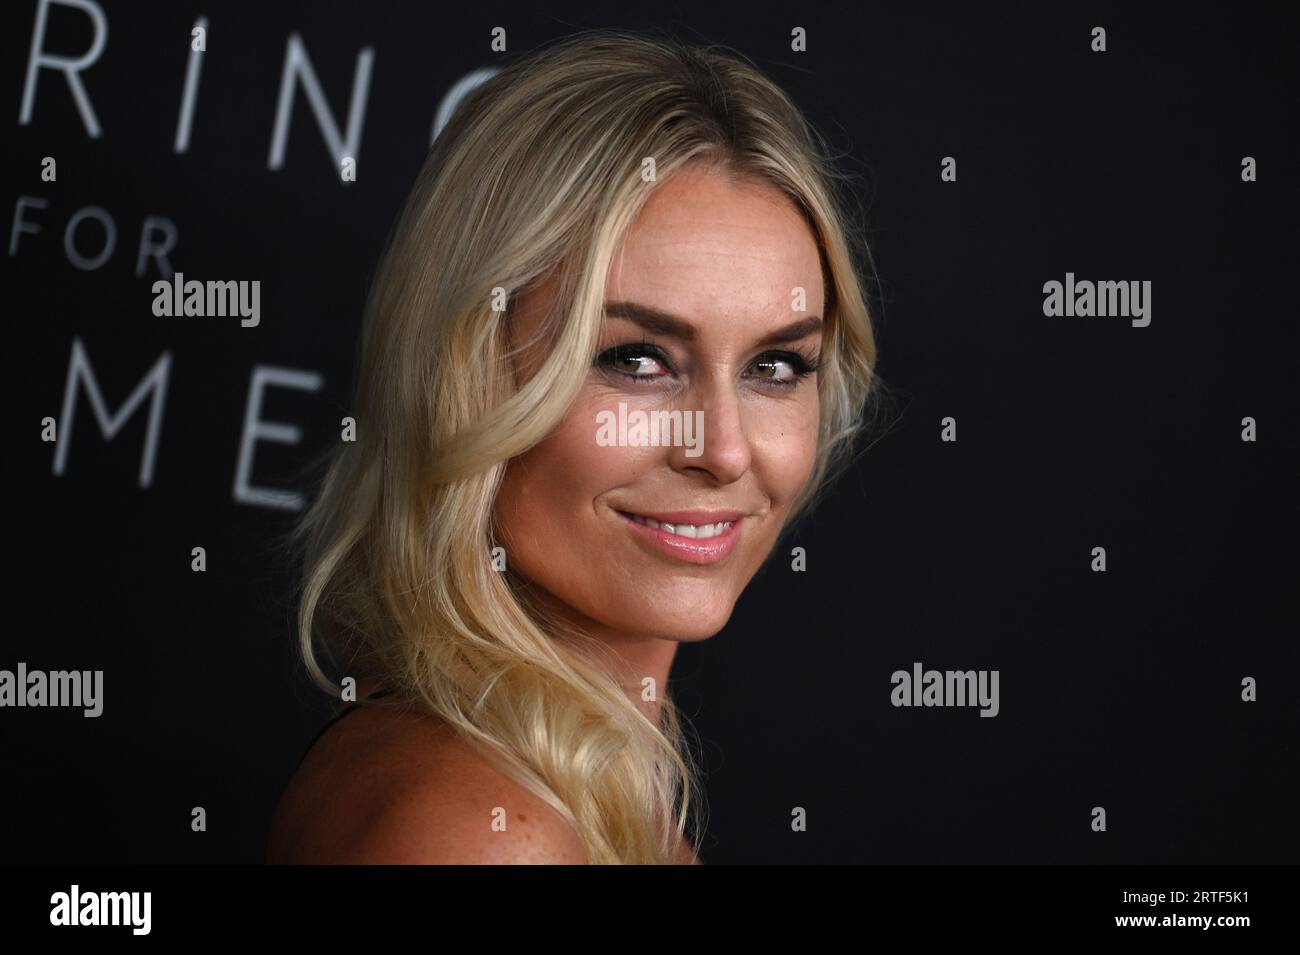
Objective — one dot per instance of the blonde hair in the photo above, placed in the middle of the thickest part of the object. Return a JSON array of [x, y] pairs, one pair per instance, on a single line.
[[539, 173]]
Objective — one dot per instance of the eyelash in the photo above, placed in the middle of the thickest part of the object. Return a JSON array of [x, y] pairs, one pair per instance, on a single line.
[[802, 363]]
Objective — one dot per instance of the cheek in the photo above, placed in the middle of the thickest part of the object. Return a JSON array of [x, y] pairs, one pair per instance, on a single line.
[[785, 448], [545, 509]]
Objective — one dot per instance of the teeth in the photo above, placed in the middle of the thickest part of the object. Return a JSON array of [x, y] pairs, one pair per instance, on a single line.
[[694, 531]]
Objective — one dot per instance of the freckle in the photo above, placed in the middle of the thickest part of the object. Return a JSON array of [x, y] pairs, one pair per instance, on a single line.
[[522, 817]]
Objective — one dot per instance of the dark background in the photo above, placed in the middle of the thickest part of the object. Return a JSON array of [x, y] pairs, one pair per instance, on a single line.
[[1119, 689]]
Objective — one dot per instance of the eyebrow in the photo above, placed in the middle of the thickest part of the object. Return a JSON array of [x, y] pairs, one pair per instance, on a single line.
[[664, 323]]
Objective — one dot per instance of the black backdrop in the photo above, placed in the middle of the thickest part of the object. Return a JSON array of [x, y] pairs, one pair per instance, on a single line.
[[1119, 689]]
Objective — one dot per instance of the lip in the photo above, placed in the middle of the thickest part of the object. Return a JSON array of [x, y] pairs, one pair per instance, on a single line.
[[692, 550], [689, 517]]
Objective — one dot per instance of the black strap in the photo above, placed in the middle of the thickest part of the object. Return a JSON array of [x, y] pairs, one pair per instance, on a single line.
[[338, 716]]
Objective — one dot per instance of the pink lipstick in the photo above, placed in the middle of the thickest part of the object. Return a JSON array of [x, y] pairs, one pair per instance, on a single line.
[[697, 537]]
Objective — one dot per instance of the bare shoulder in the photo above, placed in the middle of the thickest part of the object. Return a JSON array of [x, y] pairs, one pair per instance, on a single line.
[[390, 787]]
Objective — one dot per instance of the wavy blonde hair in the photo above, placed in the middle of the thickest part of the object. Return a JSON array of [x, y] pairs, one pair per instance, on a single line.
[[538, 173]]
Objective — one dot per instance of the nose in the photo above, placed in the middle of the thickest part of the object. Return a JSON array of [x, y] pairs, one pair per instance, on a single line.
[[721, 441]]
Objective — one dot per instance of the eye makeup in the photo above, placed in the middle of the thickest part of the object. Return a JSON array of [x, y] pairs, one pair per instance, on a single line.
[[646, 353]]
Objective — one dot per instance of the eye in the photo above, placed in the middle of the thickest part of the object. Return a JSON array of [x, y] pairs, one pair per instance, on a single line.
[[783, 368], [643, 361], [646, 363]]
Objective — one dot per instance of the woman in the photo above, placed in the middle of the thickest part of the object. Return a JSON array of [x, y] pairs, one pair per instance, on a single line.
[[503, 560]]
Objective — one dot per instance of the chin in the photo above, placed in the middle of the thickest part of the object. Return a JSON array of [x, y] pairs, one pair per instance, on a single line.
[[681, 625], [694, 634]]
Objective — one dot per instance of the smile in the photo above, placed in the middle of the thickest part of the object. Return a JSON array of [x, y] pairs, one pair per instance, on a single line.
[[703, 539], [695, 531]]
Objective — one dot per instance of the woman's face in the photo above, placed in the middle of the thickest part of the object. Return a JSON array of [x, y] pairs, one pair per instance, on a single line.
[[702, 319]]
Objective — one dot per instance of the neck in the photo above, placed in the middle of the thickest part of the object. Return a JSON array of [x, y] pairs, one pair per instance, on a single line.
[[640, 665]]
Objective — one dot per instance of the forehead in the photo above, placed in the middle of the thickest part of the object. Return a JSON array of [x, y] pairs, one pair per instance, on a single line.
[[705, 243]]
